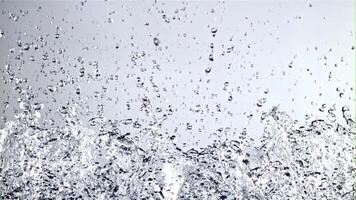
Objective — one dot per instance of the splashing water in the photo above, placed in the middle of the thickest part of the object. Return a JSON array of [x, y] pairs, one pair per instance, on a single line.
[[115, 105], [308, 162]]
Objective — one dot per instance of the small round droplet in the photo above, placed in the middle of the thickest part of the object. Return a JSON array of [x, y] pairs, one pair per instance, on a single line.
[[77, 90], [156, 41], [230, 98], [214, 30], [208, 70]]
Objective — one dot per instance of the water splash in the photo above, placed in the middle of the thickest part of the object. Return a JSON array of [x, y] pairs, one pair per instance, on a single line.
[[174, 72], [73, 161]]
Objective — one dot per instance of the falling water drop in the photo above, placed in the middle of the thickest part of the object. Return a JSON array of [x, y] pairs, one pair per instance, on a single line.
[[156, 41]]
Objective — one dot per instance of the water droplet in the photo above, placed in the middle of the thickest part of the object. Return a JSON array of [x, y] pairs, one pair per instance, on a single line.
[[230, 98], [24, 105], [211, 57], [214, 31], [38, 106], [13, 16], [26, 47], [7, 67], [189, 126], [322, 108], [52, 88], [81, 72], [261, 102], [156, 41], [77, 90]]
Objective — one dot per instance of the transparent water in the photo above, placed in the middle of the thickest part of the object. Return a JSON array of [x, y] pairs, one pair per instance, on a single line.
[[177, 100]]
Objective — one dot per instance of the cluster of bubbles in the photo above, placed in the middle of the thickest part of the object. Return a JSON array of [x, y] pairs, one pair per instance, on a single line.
[[57, 141]]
